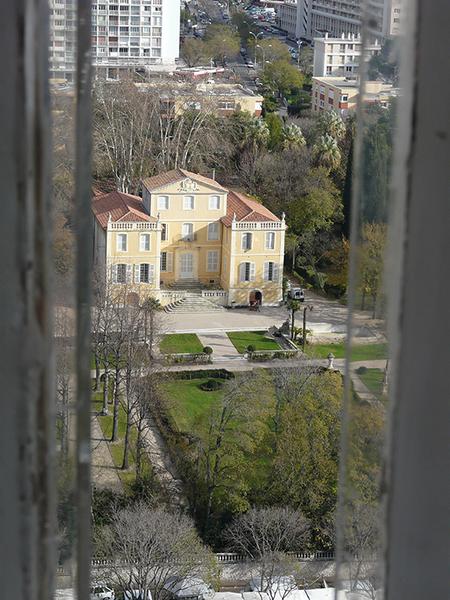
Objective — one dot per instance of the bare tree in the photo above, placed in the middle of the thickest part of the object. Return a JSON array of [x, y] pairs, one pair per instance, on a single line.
[[267, 536], [64, 330], [149, 546]]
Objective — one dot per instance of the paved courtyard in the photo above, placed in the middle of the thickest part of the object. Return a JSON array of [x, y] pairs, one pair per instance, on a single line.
[[328, 318]]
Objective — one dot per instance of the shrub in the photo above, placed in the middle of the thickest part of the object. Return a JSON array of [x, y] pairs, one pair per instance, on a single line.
[[211, 385], [251, 348], [361, 370], [207, 350]]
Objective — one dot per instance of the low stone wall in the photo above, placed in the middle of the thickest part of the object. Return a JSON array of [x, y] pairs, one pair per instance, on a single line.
[[199, 358]]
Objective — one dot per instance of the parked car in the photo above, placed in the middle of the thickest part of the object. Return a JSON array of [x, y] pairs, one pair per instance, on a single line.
[[101, 592], [296, 294]]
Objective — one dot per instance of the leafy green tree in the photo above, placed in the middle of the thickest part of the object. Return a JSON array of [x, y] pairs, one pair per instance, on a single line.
[[275, 125], [222, 42], [305, 61], [270, 50], [371, 260], [377, 155], [229, 436], [326, 152], [194, 51], [306, 462], [280, 77]]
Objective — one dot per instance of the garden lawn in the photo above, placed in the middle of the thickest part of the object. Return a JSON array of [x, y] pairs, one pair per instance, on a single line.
[[373, 380], [180, 343], [242, 339], [359, 352], [188, 403]]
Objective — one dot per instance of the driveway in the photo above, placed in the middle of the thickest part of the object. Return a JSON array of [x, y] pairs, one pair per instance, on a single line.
[[223, 349]]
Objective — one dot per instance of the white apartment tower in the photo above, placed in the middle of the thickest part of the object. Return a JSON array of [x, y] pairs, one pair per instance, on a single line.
[[337, 17], [340, 57], [134, 33], [126, 34], [62, 52]]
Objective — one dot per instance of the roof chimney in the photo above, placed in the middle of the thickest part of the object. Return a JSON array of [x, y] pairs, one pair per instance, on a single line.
[[214, 174]]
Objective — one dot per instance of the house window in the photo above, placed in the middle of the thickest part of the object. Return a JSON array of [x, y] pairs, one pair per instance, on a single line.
[[164, 232], [213, 261], [246, 241], [213, 231], [144, 242], [144, 273], [163, 202], [120, 273], [188, 203], [214, 202], [166, 261], [122, 242], [188, 232], [247, 271], [270, 271], [270, 240]]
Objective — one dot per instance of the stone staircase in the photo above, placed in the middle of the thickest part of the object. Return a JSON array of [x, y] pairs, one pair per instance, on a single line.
[[193, 302]]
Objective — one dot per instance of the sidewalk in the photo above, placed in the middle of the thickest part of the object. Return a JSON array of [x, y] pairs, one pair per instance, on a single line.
[[104, 472]]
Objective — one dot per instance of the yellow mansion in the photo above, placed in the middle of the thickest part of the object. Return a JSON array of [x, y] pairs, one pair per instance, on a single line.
[[187, 231]]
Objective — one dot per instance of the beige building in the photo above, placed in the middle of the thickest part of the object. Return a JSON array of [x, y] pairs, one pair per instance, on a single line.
[[189, 231], [340, 57], [341, 94], [219, 98]]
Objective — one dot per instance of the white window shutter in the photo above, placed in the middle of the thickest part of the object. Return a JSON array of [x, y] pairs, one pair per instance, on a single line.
[[151, 273], [266, 271], [252, 271], [129, 273], [169, 266], [242, 272], [243, 241], [114, 273], [137, 273], [275, 272]]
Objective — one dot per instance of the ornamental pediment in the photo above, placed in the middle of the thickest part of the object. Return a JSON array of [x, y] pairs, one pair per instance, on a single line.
[[188, 185]]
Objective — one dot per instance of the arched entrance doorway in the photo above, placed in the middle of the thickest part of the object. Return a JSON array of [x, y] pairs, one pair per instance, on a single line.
[[255, 299]]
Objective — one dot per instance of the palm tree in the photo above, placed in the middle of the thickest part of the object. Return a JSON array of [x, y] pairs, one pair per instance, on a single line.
[[331, 123], [258, 132], [293, 306], [326, 152], [292, 136]]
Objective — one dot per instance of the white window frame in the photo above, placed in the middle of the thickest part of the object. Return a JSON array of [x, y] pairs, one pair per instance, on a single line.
[[212, 261], [187, 237], [216, 236], [247, 235], [271, 276], [141, 267], [165, 231], [270, 235], [120, 238], [144, 242], [210, 203], [166, 201], [169, 262], [185, 199], [247, 271], [123, 267]]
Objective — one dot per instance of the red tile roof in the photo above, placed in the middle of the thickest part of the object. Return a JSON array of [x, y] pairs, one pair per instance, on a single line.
[[246, 209], [163, 179], [119, 207]]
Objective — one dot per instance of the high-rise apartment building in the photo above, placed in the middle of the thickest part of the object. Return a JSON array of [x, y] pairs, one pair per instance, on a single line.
[[340, 57], [126, 34], [62, 53], [337, 17]]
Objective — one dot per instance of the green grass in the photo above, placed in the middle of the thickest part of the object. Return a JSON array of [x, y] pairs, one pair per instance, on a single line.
[[116, 448], [188, 403], [373, 380], [242, 339], [179, 343], [359, 352]]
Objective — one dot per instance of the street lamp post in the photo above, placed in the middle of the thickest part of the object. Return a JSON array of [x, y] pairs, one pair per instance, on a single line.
[[263, 53], [299, 45], [309, 307], [256, 36]]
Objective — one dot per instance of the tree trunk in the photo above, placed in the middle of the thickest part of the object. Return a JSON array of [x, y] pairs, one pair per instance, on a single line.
[[115, 430], [139, 451], [292, 324], [363, 300], [126, 443], [97, 373], [374, 309], [105, 393]]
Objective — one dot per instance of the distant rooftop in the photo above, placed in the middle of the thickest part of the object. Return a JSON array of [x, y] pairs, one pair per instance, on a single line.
[[178, 88]]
